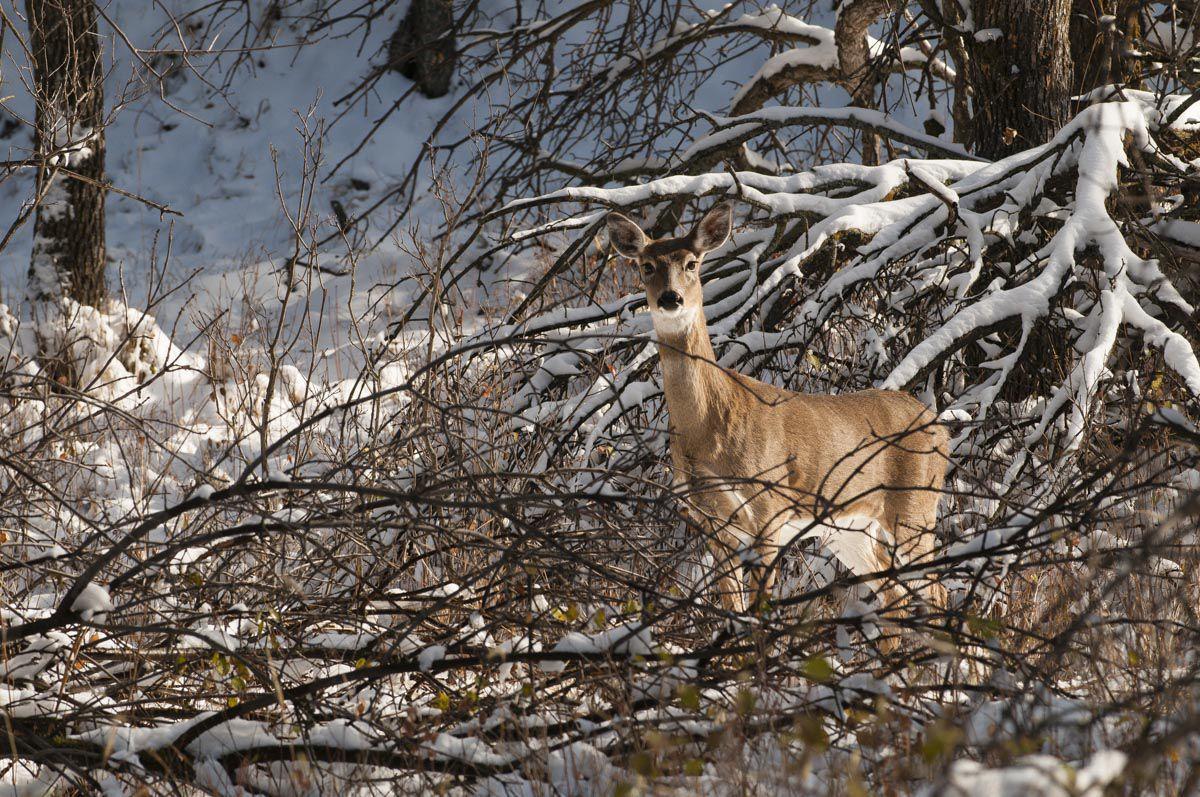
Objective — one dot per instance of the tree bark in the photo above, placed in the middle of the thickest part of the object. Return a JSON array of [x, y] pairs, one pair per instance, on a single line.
[[423, 48], [68, 248], [850, 34], [1021, 73], [1101, 32]]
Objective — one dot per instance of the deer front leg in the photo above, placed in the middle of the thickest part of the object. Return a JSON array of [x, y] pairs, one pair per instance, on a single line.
[[926, 589], [916, 542], [768, 543], [721, 515], [726, 551]]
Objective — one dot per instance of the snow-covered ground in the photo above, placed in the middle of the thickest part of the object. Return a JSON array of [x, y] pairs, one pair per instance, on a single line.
[[220, 142]]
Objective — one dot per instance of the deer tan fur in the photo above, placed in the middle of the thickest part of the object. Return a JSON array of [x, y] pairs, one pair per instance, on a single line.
[[757, 464]]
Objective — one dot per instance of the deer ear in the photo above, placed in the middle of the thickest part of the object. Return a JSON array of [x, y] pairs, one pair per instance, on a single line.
[[713, 230], [626, 236]]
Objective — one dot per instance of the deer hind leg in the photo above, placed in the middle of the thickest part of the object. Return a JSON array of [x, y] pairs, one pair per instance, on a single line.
[[762, 585], [768, 543]]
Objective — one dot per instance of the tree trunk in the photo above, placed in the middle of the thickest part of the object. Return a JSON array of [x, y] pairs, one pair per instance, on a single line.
[[68, 246], [423, 48], [1102, 31], [1021, 73]]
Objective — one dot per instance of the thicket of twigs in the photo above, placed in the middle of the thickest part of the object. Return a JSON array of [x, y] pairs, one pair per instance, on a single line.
[[464, 567]]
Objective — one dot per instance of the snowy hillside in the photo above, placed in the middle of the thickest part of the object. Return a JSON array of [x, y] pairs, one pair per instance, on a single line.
[[222, 144]]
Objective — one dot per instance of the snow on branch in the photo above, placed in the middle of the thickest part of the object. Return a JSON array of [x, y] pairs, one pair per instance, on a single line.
[[974, 247], [839, 55]]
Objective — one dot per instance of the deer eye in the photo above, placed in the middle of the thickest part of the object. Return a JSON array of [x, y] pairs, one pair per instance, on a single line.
[[648, 269], [690, 265]]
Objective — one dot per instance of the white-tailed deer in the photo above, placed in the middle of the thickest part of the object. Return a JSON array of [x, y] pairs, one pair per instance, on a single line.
[[758, 464]]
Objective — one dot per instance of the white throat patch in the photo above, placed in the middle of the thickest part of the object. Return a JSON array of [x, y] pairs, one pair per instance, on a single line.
[[673, 322]]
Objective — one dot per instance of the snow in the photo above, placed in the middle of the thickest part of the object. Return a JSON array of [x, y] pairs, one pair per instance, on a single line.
[[92, 603], [469, 750], [631, 639], [1041, 775], [1171, 36], [823, 55], [343, 734], [22, 782], [1101, 541], [54, 551], [341, 640], [182, 561], [1156, 108], [430, 656], [20, 702], [1184, 232], [750, 125], [1105, 127], [228, 736], [209, 157], [212, 636]]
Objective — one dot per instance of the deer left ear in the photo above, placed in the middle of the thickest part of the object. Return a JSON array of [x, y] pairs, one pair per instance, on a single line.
[[713, 230]]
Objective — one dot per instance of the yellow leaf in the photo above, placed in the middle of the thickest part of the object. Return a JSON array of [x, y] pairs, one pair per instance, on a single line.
[[689, 697], [811, 731], [940, 740], [746, 701], [818, 669], [642, 763]]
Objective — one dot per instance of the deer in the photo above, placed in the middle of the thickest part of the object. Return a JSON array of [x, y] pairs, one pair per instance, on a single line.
[[757, 466]]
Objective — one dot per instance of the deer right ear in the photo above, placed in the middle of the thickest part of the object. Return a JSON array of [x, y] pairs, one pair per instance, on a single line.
[[625, 235]]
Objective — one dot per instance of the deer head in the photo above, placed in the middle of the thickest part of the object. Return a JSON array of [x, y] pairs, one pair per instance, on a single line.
[[670, 267]]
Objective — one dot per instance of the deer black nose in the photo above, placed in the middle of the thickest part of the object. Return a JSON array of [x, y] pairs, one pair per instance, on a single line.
[[669, 300]]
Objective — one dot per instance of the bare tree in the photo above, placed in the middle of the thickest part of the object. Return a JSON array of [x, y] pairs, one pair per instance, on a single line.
[[68, 251]]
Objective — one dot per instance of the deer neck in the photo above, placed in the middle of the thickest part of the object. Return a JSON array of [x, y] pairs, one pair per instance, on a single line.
[[693, 383]]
